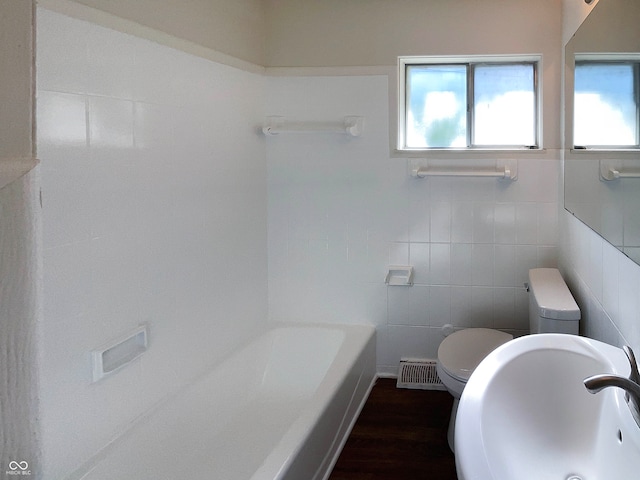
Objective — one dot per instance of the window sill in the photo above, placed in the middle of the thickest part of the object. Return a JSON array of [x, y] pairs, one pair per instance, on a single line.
[[465, 152], [605, 150]]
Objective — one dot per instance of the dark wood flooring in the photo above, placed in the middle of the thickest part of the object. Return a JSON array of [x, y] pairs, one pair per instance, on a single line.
[[400, 435]]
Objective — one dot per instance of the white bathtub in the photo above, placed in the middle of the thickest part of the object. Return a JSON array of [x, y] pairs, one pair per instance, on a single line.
[[280, 408]]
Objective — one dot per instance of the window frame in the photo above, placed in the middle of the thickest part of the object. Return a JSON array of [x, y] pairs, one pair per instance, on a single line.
[[404, 62], [602, 59]]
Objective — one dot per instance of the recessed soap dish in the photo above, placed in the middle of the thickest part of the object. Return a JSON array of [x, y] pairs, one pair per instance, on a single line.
[[399, 275], [115, 355]]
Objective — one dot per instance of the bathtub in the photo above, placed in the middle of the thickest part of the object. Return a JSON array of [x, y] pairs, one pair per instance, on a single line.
[[281, 407]]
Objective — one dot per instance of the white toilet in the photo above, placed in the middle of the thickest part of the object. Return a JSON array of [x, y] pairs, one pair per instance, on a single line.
[[552, 309]]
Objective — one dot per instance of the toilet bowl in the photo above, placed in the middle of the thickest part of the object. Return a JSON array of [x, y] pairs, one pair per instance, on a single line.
[[552, 309], [458, 356]]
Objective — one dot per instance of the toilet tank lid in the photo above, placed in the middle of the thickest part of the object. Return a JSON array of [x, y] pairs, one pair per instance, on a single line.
[[552, 296]]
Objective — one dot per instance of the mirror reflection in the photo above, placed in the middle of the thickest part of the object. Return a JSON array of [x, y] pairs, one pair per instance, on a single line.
[[602, 124]]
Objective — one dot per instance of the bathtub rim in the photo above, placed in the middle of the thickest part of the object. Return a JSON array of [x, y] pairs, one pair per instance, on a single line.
[[316, 415]]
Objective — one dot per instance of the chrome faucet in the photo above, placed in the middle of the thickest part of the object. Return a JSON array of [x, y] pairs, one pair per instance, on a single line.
[[630, 385]]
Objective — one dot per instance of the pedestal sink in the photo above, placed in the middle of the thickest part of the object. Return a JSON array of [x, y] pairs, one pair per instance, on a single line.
[[525, 414]]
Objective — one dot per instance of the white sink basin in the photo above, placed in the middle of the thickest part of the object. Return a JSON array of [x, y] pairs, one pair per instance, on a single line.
[[526, 414]]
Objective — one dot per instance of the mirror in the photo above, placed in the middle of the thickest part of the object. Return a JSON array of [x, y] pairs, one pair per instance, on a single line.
[[602, 185]]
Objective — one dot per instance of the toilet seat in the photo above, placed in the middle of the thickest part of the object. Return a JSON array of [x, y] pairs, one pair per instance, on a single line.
[[460, 353]]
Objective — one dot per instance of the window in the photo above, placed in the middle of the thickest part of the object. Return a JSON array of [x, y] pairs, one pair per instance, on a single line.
[[606, 106], [487, 103]]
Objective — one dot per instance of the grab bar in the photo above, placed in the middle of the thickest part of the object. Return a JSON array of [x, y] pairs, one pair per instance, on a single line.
[[505, 174], [613, 174], [350, 125]]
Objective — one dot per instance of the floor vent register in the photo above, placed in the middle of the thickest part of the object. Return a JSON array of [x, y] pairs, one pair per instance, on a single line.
[[419, 374]]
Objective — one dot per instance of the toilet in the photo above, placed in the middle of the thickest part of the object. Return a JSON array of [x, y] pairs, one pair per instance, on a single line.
[[552, 309]]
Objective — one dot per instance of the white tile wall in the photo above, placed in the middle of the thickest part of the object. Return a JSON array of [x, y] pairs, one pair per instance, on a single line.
[[605, 282], [341, 210], [153, 188]]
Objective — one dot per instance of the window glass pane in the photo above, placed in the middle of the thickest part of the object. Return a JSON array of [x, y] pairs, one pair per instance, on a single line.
[[604, 105], [504, 105], [436, 106]]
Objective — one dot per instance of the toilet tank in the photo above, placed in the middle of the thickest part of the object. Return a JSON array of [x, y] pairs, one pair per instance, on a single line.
[[552, 308]]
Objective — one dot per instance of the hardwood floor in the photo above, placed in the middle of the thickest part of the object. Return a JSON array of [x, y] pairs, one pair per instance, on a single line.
[[400, 435]]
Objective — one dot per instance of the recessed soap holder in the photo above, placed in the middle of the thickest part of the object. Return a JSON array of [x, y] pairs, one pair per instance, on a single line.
[[116, 354], [399, 275]]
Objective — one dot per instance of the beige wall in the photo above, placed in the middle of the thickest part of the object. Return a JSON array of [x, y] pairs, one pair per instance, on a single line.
[[595, 34], [15, 78], [573, 14], [235, 28], [374, 32], [286, 33]]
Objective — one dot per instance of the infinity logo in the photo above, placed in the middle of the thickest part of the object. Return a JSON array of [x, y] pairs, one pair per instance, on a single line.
[[13, 465]]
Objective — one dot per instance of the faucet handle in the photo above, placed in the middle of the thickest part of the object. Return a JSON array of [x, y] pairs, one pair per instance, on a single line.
[[634, 376]]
